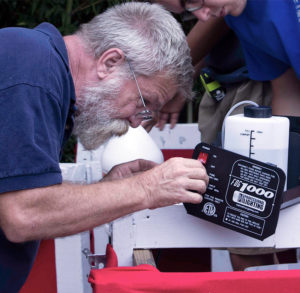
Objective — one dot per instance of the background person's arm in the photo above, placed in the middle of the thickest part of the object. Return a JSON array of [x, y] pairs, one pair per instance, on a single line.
[[204, 36], [201, 39], [286, 94]]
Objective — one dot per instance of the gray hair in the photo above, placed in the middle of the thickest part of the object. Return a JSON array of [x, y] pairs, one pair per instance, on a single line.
[[149, 36]]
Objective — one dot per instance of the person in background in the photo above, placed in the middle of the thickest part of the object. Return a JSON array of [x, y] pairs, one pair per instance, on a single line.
[[219, 60], [270, 48], [270, 75], [113, 72]]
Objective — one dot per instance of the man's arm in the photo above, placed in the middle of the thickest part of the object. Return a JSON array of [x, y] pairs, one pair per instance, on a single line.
[[66, 209], [286, 94]]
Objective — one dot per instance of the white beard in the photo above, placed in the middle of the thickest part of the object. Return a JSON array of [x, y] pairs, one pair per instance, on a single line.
[[93, 124]]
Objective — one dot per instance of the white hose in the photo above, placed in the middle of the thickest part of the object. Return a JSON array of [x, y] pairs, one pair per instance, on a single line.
[[230, 111]]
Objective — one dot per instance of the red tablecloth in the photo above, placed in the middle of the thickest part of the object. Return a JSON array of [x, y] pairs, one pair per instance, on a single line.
[[145, 278]]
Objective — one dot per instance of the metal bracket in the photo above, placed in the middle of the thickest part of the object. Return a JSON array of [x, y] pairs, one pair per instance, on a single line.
[[96, 261]]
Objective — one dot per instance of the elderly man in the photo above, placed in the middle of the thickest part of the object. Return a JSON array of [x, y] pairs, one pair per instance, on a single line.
[[122, 66]]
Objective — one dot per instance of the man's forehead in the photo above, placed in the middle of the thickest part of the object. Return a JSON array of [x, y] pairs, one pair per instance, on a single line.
[[162, 89]]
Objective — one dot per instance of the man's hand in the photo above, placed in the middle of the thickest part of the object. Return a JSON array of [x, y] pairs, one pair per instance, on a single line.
[[174, 181], [128, 169]]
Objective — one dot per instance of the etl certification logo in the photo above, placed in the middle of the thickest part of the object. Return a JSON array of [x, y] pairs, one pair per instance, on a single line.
[[209, 209]]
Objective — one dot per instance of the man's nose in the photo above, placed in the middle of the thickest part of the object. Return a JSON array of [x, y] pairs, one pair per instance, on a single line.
[[134, 121]]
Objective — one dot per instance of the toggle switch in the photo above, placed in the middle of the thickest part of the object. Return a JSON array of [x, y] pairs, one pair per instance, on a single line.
[[203, 157]]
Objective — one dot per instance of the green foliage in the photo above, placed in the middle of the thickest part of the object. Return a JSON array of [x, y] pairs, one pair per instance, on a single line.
[[66, 15], [68, 154]]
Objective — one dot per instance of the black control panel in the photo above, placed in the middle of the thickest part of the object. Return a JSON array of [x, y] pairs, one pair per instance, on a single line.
[[243, 194]]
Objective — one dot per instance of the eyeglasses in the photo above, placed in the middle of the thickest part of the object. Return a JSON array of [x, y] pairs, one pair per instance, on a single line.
[[145, 114], [191, 6]]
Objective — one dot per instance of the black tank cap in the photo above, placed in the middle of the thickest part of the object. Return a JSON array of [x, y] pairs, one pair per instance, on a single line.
[[258, 111]]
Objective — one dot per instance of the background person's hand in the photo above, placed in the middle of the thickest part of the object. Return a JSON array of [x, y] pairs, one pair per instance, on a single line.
[[149, 124], [170, 112]]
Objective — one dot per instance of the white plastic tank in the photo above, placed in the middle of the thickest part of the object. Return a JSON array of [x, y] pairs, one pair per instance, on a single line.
[[135, 144], [259, 135]]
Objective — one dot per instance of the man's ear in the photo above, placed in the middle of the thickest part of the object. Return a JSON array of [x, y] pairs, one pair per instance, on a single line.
[[109, 61]]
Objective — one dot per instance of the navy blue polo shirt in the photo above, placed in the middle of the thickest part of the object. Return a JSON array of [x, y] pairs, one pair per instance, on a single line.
[[37, 99]]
